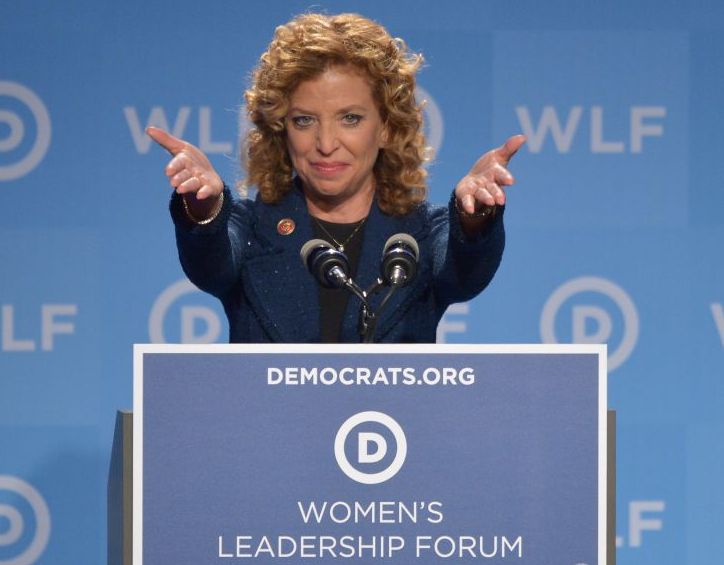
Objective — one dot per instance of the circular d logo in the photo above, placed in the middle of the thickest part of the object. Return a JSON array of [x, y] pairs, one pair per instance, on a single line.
[[15, 124], [24, 524], [371, 448], [584, 312]]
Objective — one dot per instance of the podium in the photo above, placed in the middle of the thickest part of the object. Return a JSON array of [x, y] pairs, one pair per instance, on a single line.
[[405, 454]]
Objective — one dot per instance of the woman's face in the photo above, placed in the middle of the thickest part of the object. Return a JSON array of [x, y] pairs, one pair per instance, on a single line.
[[334, 134]]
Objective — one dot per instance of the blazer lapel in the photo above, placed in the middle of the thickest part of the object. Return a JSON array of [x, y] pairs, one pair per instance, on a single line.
[[279, 288]]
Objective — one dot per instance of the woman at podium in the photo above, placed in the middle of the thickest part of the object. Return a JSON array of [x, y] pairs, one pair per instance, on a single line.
[[336, 155]]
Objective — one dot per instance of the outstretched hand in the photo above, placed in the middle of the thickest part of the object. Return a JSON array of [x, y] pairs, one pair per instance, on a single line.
[[189, 171], [484, 184]]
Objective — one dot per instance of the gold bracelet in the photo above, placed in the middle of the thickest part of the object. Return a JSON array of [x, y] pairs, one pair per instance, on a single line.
[[214, 214], [484, 212]]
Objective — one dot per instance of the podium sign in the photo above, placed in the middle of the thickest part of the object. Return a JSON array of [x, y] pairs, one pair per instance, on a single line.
[[402, 454]]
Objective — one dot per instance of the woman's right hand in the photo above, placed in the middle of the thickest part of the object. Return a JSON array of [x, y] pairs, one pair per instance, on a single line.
[[190, 173]]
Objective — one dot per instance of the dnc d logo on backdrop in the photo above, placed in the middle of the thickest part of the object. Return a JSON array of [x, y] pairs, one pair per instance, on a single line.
[[26, 520], [184, 314], [598, 307], [23, 113]]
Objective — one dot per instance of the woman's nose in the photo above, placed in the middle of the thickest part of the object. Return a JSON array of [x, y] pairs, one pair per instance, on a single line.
[[327, 139]]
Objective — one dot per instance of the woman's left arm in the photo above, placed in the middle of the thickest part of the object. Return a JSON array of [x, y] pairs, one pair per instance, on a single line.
[[482, 189], [468, 245]]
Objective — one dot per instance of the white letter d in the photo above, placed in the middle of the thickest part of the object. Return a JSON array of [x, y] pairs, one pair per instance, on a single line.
[[363, 452]]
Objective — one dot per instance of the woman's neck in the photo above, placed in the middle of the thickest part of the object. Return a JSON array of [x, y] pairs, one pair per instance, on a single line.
[[345, 211]]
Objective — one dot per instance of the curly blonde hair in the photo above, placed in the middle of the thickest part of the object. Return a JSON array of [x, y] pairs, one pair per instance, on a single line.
[[302, 50]]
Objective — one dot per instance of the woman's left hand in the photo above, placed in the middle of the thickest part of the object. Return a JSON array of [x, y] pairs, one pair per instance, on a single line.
[[483, 185]]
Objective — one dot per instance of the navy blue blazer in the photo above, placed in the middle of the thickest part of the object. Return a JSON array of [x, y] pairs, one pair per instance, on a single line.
[[269, 296]]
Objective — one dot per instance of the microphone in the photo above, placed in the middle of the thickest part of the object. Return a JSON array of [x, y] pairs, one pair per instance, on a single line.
[[329, 266], [399, 260]]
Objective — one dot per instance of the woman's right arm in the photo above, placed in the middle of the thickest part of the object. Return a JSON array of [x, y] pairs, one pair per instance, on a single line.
[[209, 230]]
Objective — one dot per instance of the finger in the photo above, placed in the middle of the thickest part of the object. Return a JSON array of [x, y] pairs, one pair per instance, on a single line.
[[204, 192], [177, 164], [506, 151], [170, 143], [464, 194], [497, 192], [497, 174], [180, 178], [191, 185], [467, 203], [483, 195]]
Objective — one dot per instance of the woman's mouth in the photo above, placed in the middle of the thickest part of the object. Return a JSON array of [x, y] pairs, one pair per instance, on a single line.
[[329, 168]]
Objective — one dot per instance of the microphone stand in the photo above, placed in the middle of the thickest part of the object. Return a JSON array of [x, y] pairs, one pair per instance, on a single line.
[[367, 323], [367, 318]]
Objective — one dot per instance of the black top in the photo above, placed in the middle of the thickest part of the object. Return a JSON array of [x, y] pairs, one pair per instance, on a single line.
[[333, 301]]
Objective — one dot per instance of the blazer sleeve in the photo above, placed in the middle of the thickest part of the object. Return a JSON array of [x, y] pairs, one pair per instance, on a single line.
[[211, 254], [463, 266]]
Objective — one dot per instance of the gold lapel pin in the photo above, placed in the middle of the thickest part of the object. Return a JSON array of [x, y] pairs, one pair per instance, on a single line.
[[286, 226]]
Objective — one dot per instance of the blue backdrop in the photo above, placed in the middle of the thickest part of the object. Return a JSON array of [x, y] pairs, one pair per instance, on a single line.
[[614, 225]]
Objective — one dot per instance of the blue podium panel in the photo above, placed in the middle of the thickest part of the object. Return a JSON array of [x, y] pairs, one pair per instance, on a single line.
[[403, 454]]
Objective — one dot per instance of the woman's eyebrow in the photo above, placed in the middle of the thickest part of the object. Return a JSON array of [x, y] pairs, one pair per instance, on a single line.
[[344, 110], [300, 110], [354, 107]]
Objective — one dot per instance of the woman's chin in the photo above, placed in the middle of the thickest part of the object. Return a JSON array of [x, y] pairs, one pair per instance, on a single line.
[[327, 189]]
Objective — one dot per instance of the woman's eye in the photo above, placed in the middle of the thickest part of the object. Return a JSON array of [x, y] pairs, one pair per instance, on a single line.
[[302, 121], [352, 119]]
